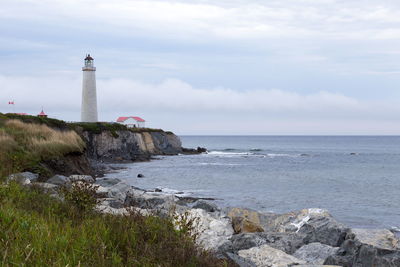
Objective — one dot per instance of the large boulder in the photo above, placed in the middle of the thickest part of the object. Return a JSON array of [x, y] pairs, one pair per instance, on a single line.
[[107, 182], [213, 230], [246, 220], [119, 191], [147, 200], [379, 238], [315, 253], [266, 256], [316, 224], [367, 248], [23, 178], [287, 242], [243, 225]]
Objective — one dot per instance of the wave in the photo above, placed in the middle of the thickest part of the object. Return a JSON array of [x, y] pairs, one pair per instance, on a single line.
[[218, 164], [167, 190], [229, 149], [273, 155], [395, 229], [256, 150], [224, 153]]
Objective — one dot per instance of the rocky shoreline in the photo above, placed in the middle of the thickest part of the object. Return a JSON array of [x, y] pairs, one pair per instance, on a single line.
[[309, 237]]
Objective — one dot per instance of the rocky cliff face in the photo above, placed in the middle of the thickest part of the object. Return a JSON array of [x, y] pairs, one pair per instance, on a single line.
[[125, 145]]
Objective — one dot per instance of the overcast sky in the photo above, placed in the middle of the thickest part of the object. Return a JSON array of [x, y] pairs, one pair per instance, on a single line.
[[209, 67]]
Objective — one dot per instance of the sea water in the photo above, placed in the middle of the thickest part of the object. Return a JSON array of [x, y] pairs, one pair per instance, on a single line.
[[356, 178]]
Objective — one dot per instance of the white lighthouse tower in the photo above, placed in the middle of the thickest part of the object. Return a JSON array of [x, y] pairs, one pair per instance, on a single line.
[[89, 98]]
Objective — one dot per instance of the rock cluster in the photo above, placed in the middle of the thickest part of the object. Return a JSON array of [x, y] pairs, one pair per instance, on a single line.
[[309, 237]]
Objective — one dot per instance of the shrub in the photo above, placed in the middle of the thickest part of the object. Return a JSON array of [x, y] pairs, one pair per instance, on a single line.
[[81, 195]]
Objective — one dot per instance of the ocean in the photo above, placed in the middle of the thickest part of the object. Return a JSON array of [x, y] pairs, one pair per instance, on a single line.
[[356, 178]]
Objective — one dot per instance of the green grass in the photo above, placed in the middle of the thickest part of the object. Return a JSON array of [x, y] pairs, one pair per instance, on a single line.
[[37, 230]]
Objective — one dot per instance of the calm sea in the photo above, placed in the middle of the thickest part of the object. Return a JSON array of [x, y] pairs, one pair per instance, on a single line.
[[356, 178]]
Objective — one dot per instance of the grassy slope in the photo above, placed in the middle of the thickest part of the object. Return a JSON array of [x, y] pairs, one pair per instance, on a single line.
[[37, 230], [23, 145]]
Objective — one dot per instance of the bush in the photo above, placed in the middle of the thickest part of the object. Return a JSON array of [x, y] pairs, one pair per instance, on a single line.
[[81, 195]]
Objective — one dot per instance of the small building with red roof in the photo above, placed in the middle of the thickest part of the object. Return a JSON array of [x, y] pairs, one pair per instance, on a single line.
[[42, 114], [132, 121]]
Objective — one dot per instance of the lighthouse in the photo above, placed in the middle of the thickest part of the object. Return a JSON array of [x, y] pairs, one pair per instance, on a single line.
[[89, 97]]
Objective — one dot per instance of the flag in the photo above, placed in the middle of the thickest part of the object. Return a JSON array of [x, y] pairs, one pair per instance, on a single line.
[[11, 102]]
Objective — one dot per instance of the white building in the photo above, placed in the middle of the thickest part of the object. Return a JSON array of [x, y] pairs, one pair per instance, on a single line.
[[132, 121], [89, 97]]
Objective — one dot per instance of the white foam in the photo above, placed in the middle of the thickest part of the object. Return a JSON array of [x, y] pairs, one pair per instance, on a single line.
[[395, 229], [273, 155], [166, 190], [218, 164], [228, 153]]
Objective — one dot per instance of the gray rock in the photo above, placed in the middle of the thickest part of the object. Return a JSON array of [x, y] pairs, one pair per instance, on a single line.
[[111, 202], [83, 178], [146, 200], [23, 178], [205, 205], [119, 191], [379, 238], [287, 242], [107, 182], [242, 262], [315, 253], [316, 225], [353, 253], [58, 180], [266, 256]]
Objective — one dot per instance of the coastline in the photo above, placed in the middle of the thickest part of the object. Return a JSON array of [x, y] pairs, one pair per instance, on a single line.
[[242, 234], [247, 237]]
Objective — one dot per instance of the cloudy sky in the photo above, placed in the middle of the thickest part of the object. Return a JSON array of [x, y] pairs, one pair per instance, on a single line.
[[209, 67]]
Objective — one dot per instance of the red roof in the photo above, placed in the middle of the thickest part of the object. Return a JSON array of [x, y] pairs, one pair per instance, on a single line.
[[122, 119], [42, 114]]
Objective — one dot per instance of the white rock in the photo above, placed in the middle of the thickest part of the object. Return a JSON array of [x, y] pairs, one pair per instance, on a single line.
[[266, 256], [213, 232]]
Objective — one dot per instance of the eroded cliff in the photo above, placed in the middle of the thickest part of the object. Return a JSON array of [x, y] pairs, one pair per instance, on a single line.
[[126, 145]]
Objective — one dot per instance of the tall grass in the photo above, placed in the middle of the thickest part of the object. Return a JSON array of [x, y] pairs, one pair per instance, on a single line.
[[23, 145], [37, 230], [44, 140]]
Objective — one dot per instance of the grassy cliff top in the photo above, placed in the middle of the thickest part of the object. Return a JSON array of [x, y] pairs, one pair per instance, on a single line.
[[92, 127]]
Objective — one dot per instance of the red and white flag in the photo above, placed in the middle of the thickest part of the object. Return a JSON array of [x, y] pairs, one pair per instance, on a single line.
[[11, 102]]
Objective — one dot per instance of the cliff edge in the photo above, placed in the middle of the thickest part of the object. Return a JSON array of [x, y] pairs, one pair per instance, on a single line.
[[48, 146]]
